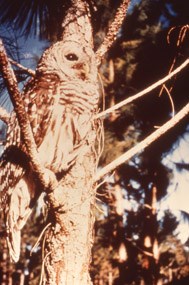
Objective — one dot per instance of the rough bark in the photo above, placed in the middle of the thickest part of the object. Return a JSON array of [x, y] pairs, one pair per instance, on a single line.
[[69, 239]]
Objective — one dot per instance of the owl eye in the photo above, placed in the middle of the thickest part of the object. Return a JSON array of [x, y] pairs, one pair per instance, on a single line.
[[71, 57]]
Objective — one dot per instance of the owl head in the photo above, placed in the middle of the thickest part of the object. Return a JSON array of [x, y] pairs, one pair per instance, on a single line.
[[73, 57], [69, 60]]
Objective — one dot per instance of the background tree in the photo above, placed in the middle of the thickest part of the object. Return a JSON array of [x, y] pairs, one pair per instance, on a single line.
[[141, 55]]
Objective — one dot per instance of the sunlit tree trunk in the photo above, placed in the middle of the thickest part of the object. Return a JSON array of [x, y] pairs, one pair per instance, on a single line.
[[68, 244]]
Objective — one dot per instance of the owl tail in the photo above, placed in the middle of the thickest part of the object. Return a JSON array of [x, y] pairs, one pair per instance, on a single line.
[[17, 212]]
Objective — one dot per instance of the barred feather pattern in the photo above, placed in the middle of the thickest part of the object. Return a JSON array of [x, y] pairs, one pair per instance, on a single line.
[[60, 101]]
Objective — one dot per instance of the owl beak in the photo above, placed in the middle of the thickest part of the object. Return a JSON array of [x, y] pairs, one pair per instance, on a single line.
[[84, 71]]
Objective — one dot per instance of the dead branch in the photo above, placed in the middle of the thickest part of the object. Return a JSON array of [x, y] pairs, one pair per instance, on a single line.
[[45, 177], [27, 70], [143, 144], [4, 115], [170, 99], [113, 30], [143, 92], [180, 40]]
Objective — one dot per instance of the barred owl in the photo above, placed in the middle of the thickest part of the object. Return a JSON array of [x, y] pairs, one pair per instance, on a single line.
[[60, 101]]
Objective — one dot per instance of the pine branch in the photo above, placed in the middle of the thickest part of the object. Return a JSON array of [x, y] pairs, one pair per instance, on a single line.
[[113, 30], [27, 70], [4, 115], [143, 144], [45, 177], [143, 92]]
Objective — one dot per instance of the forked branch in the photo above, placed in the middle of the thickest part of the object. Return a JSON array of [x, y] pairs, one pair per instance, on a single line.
[[143, 144]]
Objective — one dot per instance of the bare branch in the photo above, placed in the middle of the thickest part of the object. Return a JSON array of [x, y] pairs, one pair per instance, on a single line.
[[143, 92], [143, 144], [45, 178], [113, 30], [4, 115], [27, 70]]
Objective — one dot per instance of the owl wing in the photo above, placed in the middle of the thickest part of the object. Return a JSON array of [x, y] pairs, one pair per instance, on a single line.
[[40, 98], [39, 105], [18, 192]]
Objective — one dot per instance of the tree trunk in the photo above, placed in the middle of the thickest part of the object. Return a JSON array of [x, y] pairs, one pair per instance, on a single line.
[[68, 243]]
